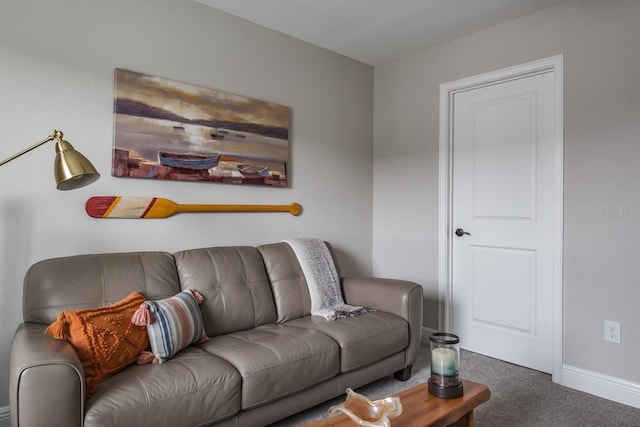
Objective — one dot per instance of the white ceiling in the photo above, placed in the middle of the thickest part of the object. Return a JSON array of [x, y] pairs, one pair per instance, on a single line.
[[378, 31]]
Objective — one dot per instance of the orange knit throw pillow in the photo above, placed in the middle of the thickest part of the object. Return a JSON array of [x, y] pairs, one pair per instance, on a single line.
[[104, 338]]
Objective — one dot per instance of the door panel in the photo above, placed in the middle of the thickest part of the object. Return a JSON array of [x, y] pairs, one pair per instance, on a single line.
[[503, 151], [517, 286]]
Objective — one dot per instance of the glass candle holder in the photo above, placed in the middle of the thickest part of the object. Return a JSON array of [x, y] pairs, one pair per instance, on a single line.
[[444, 381]]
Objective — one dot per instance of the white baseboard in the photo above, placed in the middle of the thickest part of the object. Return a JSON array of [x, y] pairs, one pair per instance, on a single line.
[[5, 421], [612, 388]]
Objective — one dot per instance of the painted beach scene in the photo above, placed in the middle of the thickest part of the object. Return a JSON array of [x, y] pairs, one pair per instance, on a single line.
[[165, 129]]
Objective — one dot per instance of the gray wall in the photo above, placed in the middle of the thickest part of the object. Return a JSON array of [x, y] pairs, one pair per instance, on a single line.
[[600, 43], [56, 71]]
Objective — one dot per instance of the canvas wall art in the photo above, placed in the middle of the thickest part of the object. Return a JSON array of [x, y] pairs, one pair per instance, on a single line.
[[164, 129]]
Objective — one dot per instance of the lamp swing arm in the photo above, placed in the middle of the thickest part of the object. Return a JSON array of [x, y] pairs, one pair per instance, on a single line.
[[55, 135]]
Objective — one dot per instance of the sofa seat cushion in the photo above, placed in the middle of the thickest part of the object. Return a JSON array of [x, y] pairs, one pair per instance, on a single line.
[[363, 339], [276, 360], [193, 385]]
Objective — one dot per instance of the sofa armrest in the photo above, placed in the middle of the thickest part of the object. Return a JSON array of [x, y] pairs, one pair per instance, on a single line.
[[399, 297], [46, 374]]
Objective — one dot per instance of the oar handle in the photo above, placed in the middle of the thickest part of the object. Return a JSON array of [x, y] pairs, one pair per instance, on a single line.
[[293, 208]]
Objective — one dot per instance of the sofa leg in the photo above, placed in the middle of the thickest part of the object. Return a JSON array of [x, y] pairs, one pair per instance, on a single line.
[[403, 374]]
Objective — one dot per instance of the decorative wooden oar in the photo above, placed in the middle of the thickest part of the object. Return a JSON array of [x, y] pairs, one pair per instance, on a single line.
[[157, 207]]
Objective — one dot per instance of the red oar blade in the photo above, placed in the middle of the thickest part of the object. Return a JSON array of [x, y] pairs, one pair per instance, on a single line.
[[118, 207], [96, 207]]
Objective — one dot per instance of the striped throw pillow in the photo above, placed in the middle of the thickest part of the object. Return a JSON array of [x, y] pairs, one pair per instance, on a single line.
[[172, 324]]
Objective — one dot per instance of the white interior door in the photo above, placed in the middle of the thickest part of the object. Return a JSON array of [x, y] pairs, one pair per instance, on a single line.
[[503, 196]]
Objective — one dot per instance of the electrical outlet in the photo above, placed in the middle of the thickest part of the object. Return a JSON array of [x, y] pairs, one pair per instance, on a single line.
[[612, 331]]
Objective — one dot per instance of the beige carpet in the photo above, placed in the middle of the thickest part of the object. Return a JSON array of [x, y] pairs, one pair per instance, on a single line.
[[519, 397]]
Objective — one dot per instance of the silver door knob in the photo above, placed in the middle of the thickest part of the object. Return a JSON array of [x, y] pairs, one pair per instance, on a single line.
[[460, 232]]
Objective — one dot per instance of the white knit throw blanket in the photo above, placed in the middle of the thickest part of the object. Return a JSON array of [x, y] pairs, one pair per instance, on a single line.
[[322, 279]]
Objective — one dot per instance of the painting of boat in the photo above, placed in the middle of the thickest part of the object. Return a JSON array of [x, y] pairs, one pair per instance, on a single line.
[[171, 130], [188, 160], [253, 171]]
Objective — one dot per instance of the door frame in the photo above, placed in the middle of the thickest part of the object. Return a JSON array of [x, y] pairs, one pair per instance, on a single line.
[[445, 226]]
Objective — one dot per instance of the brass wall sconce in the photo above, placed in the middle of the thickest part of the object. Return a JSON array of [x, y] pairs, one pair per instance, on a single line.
[[71, 169]]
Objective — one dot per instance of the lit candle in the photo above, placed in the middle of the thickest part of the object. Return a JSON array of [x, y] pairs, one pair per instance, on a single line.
[[443, 361]]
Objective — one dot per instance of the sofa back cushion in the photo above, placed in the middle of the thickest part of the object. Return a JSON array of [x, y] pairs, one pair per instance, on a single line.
[[234, 285], [86, 281], [290, 291]]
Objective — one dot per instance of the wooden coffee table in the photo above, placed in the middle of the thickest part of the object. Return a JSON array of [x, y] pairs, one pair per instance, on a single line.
[[420, 409]]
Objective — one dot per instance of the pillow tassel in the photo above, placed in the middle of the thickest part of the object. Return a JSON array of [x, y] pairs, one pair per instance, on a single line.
[[56, 329], [142, 316], [198, 297], [146, 357]]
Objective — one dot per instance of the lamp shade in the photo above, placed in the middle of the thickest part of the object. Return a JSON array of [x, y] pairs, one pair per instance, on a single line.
[[72, 169]]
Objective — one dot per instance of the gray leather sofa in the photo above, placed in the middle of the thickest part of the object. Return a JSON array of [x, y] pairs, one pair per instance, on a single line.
[[267, 359]]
